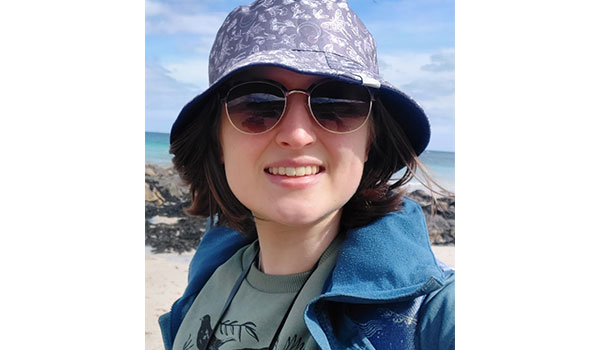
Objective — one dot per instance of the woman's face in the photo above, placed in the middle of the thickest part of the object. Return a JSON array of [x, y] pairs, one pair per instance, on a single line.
[[297, 141]]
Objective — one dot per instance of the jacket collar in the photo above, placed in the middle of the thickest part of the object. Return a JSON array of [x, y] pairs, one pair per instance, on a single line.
[[387, 261]]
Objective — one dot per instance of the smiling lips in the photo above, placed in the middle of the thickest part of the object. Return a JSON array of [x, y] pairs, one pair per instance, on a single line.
[[295, 171]]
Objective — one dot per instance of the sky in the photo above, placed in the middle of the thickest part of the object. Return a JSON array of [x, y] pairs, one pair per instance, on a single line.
[[415, 48]]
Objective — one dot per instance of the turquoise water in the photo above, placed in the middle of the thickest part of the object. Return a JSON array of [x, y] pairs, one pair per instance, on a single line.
[[157, 148], [441, 164]]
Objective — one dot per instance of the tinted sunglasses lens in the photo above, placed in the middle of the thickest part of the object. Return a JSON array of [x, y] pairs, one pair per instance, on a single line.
[[339, 106], [255, 107]]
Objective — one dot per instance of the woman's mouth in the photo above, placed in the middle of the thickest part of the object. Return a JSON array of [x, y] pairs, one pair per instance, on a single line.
[[294, 171]]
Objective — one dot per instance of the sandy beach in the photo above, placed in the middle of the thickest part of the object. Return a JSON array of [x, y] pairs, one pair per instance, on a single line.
[[166, 278]]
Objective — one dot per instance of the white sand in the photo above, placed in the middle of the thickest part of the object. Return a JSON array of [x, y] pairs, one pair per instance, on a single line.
[[166, 279]]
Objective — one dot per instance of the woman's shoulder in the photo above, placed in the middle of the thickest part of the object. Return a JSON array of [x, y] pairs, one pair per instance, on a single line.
[[429, 318], [216, 247], [436, 317], [422, 322]]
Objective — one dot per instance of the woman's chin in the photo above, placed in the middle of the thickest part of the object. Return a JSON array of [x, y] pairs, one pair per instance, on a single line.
[[298, 217]]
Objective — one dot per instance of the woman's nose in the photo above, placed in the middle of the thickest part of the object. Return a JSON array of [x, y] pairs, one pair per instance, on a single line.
[[296, 129]]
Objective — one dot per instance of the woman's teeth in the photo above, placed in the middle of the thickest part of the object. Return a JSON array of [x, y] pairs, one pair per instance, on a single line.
[[297, 171]]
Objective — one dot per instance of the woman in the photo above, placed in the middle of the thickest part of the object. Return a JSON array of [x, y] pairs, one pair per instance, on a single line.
[[290, 151]]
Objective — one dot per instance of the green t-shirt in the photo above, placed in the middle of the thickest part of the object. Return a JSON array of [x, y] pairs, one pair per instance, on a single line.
[[257, 308]]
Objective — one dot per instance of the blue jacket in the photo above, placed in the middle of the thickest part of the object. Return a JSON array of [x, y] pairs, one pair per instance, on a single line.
[[386, 291]]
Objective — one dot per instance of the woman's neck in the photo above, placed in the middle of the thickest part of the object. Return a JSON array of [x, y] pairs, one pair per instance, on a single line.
[[286, 250]]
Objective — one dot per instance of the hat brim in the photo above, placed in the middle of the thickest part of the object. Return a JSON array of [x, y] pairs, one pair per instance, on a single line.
[[403, 108]]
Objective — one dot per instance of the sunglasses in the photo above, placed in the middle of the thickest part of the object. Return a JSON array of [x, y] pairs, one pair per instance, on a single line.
[[255, 107]]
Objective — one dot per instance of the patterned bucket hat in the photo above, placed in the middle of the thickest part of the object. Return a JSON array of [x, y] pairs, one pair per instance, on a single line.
[[323, 37]]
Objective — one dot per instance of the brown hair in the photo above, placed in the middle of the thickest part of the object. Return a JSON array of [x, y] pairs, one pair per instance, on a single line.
[[197, 154]]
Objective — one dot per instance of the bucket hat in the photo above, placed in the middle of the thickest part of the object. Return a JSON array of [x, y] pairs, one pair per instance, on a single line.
[[323, 37]]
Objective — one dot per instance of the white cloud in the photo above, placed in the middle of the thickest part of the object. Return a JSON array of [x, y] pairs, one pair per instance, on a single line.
[[443, 104], [179, 35], [433, 94], [154, 8], [403, 67], [191, 71], [441, 62], [427, 77], [164, 18], [165, 97]]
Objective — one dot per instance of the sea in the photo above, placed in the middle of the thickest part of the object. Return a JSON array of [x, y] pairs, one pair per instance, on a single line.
[[440, 165]]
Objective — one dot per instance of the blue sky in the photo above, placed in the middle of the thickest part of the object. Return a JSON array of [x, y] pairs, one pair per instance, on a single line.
[[415, 40]]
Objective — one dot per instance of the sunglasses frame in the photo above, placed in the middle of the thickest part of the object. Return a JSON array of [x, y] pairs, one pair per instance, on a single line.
[[287, 93]]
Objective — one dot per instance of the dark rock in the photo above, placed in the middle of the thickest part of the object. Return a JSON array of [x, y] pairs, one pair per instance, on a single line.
[[439, 215], [181, 237], [164, 183]]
